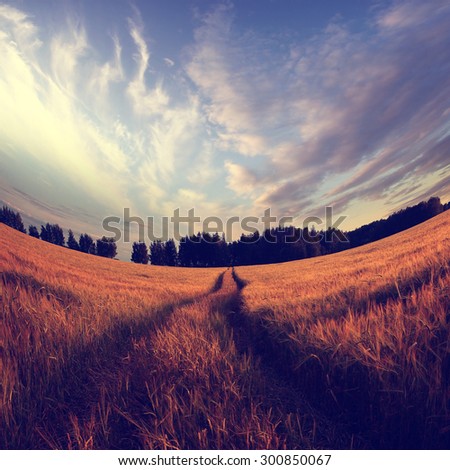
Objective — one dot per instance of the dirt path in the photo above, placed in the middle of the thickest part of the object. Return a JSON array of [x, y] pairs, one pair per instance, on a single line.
[[252, 338]]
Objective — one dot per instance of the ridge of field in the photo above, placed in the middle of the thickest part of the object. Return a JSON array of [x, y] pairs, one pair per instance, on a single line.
[[365, 333], [98, 280]]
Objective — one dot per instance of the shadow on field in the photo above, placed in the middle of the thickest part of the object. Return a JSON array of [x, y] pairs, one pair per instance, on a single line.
[[58, 403], [62, 296], [355, 298], [283, 390], [351, 394], [97, 388]]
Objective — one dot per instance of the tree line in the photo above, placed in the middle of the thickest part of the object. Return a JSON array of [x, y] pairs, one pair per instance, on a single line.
[[204, 249], [53, 233], [280, 244]]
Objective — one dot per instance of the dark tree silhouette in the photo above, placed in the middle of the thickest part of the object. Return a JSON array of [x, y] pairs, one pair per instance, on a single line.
[[274, 246], [12, 219], [46, 233], [184, 252], [87, 244], [140, 253], [72, 242], [157, 253], [189, 251], [282, 244], [204, 249], [52, 233], [33, 231], [57, 235], [106, 247], [170, 253], [397, 222], [221, 255]]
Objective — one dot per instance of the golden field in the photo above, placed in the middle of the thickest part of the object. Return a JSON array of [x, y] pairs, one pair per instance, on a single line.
[[365, 333], [350, 350], [67, 315]]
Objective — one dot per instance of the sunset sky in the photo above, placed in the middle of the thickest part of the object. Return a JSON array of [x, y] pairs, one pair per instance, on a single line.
[[226, 107]]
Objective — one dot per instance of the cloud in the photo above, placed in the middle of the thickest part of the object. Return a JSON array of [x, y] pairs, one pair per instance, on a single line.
[[46, 126], [146, 101], [23, 31], [67, 48], [240, 180], [409, 15], [169, 62], [82, 144], [341, 116], [109, 72], [240, 121], [214, 61]]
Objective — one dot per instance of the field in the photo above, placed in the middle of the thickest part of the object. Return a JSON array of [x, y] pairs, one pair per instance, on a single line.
[[350, 350], [364, 334]]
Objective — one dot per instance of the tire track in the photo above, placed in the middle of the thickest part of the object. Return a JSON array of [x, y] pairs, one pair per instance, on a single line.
[[197, 384], [276, 364], [278, 386], [196, 375]]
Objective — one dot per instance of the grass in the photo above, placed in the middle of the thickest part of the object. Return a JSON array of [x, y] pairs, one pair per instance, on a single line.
[[65, 316], [350, 350], [201, 392], [365, 333]]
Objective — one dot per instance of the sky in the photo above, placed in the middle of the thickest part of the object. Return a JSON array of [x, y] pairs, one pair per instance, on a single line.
[[226, 107]]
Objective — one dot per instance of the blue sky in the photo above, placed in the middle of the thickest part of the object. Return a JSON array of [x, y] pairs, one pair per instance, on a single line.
[[230, 108]]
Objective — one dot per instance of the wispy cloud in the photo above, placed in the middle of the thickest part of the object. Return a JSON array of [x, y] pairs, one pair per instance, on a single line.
[[45, 123], [224, 66], [239, 121], [169, 62], [79, 132], [146, 101], [110, 72], [357, 113], [240, 179]]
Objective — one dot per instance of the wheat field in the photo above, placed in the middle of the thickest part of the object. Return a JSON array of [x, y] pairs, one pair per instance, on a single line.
[[350, 350], [65, 317], [365, 333]]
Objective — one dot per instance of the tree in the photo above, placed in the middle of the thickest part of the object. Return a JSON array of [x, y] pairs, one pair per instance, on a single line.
[[87, 244], [12, 219], [170, 253], [157, 253], [221, 252], [57, 235], [52, 233], [140, 253], [106, 247], [72, 243], [185, 252], [46, 233], [33, 231], [434, 206]]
